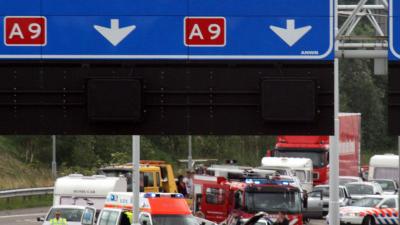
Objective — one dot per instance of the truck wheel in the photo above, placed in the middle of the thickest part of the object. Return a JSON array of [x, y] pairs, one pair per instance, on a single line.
[[368, 220]]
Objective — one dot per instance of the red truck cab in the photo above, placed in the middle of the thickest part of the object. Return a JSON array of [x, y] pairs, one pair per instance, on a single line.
[[317, 149]]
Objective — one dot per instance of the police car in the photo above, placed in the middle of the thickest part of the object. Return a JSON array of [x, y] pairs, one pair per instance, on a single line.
[[370, 210]]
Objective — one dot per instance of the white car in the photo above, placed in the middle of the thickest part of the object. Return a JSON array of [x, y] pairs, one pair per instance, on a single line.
[[349, 179], [358, 190], [389, 187], [380, 209], [75, 215]]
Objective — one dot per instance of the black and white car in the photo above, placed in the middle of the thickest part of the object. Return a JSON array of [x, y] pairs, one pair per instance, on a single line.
[[371, 210]]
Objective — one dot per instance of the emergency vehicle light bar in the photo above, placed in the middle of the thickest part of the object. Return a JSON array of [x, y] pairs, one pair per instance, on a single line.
[[158, 195], [266, 181]]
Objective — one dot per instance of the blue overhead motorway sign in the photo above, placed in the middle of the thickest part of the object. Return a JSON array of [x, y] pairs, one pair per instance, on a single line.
[[165, 29], [394, 30]]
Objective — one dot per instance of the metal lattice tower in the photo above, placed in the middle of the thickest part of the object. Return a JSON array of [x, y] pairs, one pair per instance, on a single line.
[[371, 44]]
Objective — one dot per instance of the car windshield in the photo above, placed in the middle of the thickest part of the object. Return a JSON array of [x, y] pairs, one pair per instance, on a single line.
[[360, 189], [273, 201], [366, 202], [386, 185], [317, 157], [71, 215], [344, 181], [174, 219], [325, 192]]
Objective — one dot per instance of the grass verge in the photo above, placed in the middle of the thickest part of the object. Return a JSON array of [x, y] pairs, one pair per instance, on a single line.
[[26, 202]]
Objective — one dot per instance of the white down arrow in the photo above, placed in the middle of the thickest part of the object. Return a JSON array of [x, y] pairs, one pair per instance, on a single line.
[[290, 34], [114, 34]]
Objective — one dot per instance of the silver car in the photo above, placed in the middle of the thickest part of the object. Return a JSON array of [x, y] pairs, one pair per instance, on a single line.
[[344, 197]]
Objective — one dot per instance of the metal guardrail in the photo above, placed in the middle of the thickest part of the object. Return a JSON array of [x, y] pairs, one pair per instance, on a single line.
[[26, 192]]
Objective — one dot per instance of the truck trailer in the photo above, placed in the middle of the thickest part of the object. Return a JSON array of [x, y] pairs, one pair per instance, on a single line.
[[316, 148]]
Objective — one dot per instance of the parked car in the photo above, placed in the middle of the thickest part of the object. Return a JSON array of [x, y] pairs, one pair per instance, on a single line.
[[358, 190], [344, 196], [376, 209], [349, 179], [389, 187]]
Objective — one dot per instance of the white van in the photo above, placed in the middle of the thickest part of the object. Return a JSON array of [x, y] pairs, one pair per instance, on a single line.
[[80, 198], [384, 167], [302, 168]]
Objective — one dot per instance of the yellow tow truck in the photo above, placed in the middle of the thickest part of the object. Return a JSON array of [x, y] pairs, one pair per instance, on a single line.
[[155, 176]]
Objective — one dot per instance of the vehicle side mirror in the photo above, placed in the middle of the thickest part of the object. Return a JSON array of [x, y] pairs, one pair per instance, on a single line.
[[377, 193], [40, 219], [203, 223], [349, 195]]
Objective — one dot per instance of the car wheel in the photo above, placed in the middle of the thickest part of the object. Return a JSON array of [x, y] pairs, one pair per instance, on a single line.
[[368, 220]]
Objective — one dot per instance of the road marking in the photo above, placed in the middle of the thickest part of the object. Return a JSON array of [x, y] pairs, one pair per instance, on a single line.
[[22, 215]]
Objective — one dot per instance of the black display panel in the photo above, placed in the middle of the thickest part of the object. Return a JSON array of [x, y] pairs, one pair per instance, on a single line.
[[166, 97]]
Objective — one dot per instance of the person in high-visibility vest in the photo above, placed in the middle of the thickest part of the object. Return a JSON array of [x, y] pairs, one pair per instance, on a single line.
[[129, 215], [58, 220]]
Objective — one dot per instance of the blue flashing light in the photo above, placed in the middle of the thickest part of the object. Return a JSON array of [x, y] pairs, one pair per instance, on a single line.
[[266, 181], [179, 195], [150, 195], [249, 181]]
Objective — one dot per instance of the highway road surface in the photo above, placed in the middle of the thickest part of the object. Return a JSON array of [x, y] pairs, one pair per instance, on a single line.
[[28, 217], [22, 216]]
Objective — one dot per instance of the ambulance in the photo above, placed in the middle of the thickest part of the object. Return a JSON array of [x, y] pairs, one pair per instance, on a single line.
[[155, 209]]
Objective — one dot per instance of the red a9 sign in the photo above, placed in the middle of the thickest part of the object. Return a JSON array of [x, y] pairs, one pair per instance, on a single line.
[[25, 31], [205, 31]]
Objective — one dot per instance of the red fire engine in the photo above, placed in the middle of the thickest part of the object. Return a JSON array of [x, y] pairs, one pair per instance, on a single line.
[[227, 199]]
